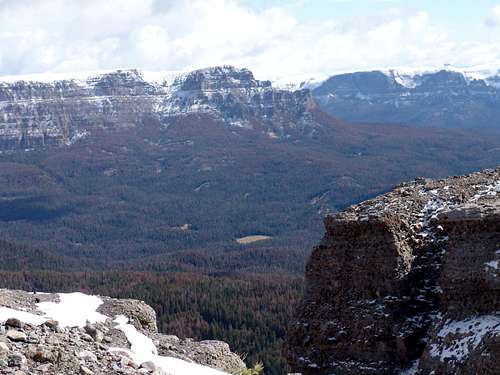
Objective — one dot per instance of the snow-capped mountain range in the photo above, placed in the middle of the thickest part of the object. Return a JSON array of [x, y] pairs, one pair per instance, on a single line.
[[412, 77], [39, 110], [409, 77], [448, 97]]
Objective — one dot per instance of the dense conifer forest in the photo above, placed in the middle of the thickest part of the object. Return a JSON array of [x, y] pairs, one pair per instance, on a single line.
[[247, 310], [126, 216]]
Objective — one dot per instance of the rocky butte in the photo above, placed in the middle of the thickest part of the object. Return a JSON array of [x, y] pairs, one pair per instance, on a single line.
[[80, 334], [406, 283]]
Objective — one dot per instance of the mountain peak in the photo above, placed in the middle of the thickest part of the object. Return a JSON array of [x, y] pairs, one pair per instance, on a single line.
[[219, 77]]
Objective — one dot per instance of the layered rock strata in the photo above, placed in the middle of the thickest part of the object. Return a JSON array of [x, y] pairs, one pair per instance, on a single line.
[[408, 281], [44, 114]]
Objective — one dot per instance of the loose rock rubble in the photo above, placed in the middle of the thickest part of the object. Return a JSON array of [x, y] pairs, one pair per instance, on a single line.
[[94, 348], [406, 283]]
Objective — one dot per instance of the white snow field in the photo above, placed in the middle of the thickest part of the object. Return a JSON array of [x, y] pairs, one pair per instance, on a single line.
[[74, 310]]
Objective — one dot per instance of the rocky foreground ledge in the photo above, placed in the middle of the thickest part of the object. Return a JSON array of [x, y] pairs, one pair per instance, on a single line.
[[80, 334], [406, 283]]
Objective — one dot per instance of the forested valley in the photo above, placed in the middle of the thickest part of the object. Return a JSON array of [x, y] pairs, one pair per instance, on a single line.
[[155, 213], [250, 311]]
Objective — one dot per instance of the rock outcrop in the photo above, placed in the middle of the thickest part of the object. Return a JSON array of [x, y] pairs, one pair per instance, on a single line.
[[33, 343], [406, 283]]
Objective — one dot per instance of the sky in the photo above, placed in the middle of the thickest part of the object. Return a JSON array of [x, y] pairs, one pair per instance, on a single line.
[[273, 38]]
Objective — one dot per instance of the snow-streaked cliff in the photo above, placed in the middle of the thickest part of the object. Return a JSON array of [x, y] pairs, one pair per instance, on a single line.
[[39, 112]]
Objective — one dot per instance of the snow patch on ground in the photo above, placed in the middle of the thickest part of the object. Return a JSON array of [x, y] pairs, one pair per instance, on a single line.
[[142, 349], [23, 316], [78, 309], [272, 135], [467, 336], [166, 77], [73, 310]]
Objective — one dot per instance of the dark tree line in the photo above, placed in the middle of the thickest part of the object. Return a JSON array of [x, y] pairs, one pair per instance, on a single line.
[[250, 312]]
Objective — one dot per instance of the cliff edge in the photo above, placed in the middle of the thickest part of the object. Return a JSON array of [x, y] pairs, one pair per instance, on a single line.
[[406, 283], [74, 333]]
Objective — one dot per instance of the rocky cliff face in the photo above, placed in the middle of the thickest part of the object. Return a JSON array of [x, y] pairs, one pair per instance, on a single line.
[[443, 98], [242, 101], [42, 114], [406, 283], [81, 334], [37, 114]]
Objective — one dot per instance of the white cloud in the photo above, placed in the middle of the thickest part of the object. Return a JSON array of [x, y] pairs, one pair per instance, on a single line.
[[73, 35], [494, 18]]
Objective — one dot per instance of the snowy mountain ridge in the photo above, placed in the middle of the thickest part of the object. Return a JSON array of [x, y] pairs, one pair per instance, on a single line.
[[449, 97], [84, 76], [311, 80], [37, 113], [411, 77]]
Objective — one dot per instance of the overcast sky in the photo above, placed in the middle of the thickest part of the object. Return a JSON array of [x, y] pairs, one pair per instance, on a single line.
[[272, 38]]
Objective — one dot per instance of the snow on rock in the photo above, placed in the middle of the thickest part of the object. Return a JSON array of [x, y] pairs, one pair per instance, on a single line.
[[142, 349], [467, 336], [78, 310], [73, 310], [491, 267], [23, 316], [79, 135], [488, 191], [430, 294], [429, 215], [493, 264]]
